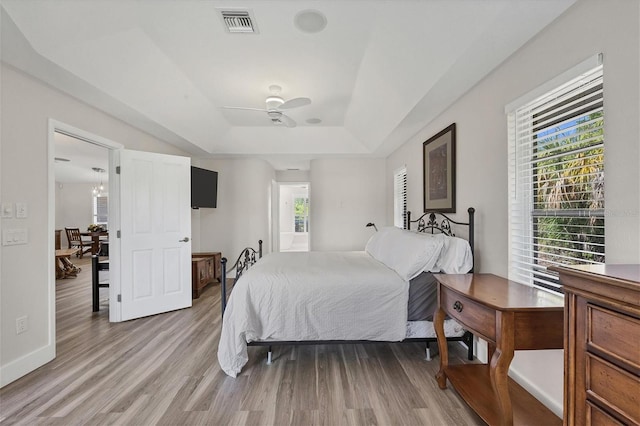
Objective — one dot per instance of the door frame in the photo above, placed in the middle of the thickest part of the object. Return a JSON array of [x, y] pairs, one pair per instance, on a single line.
[[114, 216], [275, 223]]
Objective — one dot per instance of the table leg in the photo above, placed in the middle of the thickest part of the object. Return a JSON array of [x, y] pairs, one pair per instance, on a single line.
[[69, 269], [499, 365], [438, 325], [59, 269], [95, 246], [491, 348]]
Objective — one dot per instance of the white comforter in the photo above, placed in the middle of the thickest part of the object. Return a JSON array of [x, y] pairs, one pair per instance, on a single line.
[[312, 296]]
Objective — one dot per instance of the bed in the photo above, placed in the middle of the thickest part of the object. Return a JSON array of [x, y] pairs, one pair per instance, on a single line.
[[386, 293]]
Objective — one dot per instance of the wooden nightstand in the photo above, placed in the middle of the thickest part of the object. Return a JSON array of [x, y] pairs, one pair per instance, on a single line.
[[509, 316], [205, 270]]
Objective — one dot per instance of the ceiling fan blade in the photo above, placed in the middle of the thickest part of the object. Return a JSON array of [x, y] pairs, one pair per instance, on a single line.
[[287, 121], [295, 103], [248, 109]]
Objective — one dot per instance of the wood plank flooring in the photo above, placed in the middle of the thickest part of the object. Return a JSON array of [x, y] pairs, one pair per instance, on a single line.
[[164, 370]]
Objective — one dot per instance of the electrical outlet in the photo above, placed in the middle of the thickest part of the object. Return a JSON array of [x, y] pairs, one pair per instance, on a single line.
[[22, 325]]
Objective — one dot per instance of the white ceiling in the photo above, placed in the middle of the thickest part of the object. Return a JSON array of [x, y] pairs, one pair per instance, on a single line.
[[83, 158], [379, 72]]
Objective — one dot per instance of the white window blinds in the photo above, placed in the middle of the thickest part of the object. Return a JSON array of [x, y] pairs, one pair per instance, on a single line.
[[400, 196], [556, 170], [100, 209]]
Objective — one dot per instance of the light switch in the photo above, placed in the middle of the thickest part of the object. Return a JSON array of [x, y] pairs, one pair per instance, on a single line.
[[7, 210], [21, 210], [12, 237]]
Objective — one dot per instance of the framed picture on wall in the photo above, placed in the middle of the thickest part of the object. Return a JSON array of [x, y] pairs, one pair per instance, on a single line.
[[439, 168]]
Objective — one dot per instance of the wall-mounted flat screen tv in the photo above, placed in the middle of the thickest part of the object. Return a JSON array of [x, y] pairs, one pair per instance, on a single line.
[[204, 188]]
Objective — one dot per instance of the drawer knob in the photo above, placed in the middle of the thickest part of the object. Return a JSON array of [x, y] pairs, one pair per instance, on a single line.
[[457, 306]]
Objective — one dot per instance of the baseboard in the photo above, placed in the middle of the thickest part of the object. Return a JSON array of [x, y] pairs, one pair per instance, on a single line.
[[555, 406], [26, 364], [552, 404]]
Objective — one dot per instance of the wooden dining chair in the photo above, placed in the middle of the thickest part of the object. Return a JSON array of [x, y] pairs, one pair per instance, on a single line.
[[76, 241]]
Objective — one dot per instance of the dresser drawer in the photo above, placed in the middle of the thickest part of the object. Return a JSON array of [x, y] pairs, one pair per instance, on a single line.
[[613, 388], [614, 334], [597, 417], [477, 317]]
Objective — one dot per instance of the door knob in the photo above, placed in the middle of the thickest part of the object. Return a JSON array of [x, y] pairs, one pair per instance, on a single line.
[[185, 240]]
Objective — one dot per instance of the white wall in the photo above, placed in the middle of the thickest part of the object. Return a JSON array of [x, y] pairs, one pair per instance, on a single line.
[[587, 28], [244, 207], [287, 216], [345, 194], [292, 175], [74, 207], [27, 106]]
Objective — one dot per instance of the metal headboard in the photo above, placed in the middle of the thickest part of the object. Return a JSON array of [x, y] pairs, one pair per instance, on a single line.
[[436, 221]]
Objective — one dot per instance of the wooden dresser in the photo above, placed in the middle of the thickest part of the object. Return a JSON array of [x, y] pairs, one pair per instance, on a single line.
[[602, 344], [509, 316], [205, 270]]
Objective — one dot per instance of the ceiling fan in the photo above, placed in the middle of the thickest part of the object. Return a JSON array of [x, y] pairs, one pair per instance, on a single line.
[[274, 106]]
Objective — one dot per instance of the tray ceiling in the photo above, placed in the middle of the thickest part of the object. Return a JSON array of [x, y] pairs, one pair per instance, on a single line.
[[377, 73]]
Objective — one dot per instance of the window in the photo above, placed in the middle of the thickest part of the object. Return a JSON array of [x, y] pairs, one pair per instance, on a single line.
[[400, 197], [100, 209], [301, 213], [556, 185]]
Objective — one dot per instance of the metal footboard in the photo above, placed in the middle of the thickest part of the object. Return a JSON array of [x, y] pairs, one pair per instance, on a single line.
[[245, 260]]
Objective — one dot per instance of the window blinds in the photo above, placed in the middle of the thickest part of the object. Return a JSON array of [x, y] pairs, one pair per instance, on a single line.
[[556, 169], [400, 197], [101, 206]]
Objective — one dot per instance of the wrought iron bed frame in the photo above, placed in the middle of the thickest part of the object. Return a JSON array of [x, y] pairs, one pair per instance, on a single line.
[[431, 224]]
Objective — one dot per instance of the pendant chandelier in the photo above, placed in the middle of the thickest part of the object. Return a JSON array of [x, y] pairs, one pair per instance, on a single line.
[[97, 189]]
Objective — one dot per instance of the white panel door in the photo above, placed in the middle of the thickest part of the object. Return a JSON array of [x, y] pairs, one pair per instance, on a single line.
[[155, 191]]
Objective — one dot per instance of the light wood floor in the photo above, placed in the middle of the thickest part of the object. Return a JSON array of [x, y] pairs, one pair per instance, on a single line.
[[164, 370]]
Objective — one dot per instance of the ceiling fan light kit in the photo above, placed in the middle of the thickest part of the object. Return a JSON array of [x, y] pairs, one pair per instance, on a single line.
[[274, 102], [274, 105]]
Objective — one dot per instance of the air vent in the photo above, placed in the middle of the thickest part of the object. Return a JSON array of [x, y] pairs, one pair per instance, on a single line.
[[238, 21]]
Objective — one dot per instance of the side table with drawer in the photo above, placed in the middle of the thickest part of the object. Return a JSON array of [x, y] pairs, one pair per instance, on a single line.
[[602, 344], [509, 316], [205, 269]]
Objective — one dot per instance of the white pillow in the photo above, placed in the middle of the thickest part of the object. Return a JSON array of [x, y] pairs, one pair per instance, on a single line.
[[408, 253], [455, 257]]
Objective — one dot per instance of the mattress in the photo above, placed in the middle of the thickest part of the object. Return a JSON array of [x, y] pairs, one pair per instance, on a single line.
[[312, 296], [423, 297]]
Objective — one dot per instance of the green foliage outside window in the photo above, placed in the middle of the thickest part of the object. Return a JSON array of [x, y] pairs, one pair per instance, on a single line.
[[569, 192], [301, 212]]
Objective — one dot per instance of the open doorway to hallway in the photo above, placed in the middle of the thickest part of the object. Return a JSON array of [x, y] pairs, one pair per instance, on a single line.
[[81, 204], [294, 216]]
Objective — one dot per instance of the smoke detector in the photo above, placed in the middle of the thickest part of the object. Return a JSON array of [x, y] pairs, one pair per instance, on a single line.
[[239, 21]]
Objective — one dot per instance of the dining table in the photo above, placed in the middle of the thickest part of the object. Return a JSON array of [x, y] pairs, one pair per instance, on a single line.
[[95, 239]]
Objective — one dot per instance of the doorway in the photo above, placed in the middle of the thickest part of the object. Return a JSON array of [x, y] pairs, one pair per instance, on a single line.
[[293, 215], [82, 184], [87, 150]]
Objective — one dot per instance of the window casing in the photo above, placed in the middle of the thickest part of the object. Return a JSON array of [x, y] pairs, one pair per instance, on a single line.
[[556, 185]]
